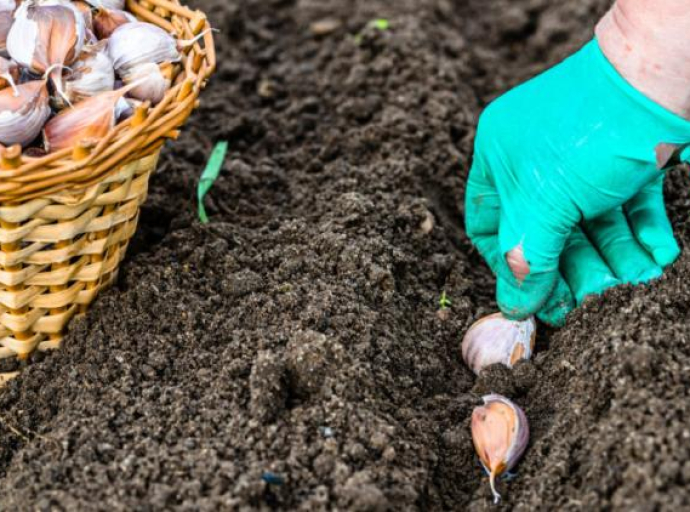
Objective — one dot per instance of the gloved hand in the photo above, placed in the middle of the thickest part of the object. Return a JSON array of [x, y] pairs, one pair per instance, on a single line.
[[565, 194]]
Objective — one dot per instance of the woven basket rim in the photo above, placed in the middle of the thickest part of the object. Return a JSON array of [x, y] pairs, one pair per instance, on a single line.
[[72, 170]]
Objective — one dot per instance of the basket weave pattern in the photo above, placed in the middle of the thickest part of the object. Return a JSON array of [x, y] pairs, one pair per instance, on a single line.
[[66, 218]]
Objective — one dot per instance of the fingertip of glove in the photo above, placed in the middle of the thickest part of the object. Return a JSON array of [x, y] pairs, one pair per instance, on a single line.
[[519, 301], [556, 315], [598, 287], [665, 256], [649, 275]]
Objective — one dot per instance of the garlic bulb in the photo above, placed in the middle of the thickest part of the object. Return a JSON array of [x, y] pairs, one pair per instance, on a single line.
[[91, 74], [500, 434], [46, 36], [9, 75], [108, 4], [138, 43], [106, 21], [23, 112], [83, 9], [93, 118], [7, 8], [148, 81], [495, 339]]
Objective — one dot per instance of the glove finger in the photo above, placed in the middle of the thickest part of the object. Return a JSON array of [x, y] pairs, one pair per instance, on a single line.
[[584, 269], [528, 269], [558, 305], [649, 222], [613, 238], [482, 203]]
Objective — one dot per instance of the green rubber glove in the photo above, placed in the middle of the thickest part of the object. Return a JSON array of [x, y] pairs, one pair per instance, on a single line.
[[568, 174]]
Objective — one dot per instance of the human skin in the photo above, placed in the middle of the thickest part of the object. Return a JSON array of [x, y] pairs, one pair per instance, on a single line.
[[648, 42]]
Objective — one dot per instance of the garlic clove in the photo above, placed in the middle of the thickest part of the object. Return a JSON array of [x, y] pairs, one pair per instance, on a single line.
[[500, 433], [107, 21], [23, 112], [149, 82], [133, 44], [495, 339], [91, 74], [46, 36], [93, 118], [108, 4]]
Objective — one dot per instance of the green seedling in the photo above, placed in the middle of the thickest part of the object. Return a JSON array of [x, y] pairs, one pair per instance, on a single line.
[[210, 175], [381, 24], [444, 302]]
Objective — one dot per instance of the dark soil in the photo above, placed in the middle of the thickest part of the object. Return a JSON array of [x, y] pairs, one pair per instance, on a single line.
[[289, 354]]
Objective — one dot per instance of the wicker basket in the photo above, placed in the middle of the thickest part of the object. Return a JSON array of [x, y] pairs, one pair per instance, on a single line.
[[66, 218]]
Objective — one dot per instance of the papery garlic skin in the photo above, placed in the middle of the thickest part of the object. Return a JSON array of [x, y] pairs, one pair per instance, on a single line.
[[91, 74], [148, 83], [108, 4], [23, 115], [495, 339], [107, 21], [500, 433], [46, 36], [133, 44]]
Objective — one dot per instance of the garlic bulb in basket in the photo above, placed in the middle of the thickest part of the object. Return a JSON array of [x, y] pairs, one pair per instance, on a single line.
[[500, 434], [106, 21], [9, 74], [7, 8], [93, 118], [495, 339], [150, 82], [23, 112], [133, 44], [46, 37], [91, 74]]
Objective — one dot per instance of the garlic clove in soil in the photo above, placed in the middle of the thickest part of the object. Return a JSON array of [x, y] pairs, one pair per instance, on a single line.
[[495, 339], [149, 82], [23, 111], [134, 44], [46, 36], [93, 118], [91, 74], [500, 433], [106, 21]]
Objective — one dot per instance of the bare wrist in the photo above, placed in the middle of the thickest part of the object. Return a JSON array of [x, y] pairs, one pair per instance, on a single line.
[[648, 42]]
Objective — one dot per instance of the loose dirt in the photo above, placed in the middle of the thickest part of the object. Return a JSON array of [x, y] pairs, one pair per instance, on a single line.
[[289, 355]]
